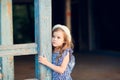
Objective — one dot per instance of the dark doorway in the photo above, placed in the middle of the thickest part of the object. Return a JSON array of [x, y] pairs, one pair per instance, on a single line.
[[58, 12], [79, 22], [23, 29], [103, 16], [106, 16]]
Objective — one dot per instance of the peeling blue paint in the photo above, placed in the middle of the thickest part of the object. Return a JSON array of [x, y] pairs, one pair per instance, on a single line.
[[42, 39]]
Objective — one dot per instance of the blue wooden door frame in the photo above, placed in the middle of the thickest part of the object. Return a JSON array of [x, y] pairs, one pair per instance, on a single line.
[[42, 45], [43, 36]]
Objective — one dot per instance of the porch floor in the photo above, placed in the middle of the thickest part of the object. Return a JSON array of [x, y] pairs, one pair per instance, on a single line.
[[88, 67]]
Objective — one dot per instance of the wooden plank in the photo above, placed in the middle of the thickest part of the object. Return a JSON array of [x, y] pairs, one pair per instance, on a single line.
[[17, 46], [43, 36], [91, 28], [22, 1], [6, 62], [18, 49], [68, 13]]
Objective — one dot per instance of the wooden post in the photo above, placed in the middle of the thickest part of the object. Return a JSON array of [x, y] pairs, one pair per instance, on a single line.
[[91, 27], [43, 36], [68, 14], [6, 38]]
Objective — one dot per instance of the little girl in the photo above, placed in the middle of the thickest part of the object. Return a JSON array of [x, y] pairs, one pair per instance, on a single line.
[[62, 52]]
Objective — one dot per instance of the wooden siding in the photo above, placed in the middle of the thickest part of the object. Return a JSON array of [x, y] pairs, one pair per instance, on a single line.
[[6, 38], [43, 36], [42, 45], [18, 49]]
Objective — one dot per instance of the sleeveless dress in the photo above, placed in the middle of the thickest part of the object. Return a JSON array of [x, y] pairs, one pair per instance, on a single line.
[[67, 73]]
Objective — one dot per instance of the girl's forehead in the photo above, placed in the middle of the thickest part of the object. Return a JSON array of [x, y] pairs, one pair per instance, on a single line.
[[58, 33]]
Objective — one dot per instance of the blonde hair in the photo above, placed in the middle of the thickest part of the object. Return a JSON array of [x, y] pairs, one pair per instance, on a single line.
[[67, 37]]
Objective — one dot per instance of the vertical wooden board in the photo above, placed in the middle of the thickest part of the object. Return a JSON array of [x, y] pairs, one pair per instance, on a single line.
[[91, 30], [6, 22], [43, 36], [6, 38], [68, 13]]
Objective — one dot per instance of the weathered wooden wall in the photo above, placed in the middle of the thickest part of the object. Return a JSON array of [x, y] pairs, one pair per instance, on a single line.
[[42, 45]]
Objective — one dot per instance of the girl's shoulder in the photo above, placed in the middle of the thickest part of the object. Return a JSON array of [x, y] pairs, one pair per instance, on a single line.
[[72, 58], [67, 51]]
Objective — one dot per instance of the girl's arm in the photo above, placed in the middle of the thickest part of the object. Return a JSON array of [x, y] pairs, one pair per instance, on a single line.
[[60, 69]]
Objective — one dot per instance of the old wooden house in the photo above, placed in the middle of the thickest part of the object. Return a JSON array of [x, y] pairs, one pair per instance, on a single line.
[[25, 30]]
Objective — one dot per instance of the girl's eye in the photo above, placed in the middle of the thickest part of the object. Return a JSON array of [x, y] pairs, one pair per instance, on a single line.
[[58, 37]]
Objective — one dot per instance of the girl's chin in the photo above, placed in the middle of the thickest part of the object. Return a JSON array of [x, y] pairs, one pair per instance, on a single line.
[[54, 45]]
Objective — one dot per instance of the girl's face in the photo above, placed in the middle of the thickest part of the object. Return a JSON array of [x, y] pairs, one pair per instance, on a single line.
[[57, 38]]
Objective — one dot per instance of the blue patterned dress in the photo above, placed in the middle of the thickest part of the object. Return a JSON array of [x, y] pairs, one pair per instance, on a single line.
[[67, 73]]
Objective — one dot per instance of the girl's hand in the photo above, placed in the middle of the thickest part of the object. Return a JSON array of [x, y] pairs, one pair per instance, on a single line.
[[43, 60]]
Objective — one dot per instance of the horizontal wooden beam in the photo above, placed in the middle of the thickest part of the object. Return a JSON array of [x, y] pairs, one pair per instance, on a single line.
[[22, 1], [18, 49]]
